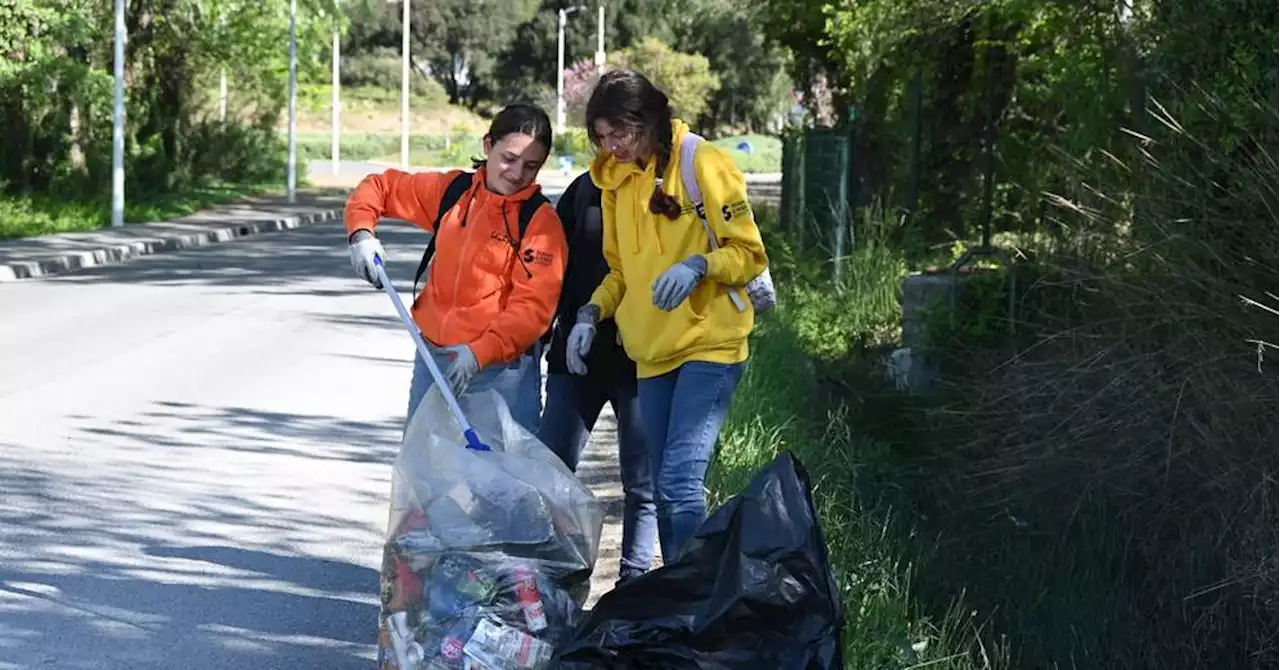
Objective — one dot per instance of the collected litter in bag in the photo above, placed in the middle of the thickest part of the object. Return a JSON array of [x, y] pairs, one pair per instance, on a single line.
[[489, 554], [753, 589]]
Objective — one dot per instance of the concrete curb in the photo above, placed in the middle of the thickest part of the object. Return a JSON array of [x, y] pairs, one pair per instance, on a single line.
[[118, 253]]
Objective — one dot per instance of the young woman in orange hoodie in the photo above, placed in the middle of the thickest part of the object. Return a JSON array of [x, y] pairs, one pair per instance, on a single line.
[[490, 293]]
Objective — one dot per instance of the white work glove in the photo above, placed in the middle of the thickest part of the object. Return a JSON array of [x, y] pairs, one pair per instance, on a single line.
[[461, 369], [678, 282], [580, 338], [364, 248]]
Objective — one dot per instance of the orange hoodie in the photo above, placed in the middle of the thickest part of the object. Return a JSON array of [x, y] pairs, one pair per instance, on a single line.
[[485, 288]]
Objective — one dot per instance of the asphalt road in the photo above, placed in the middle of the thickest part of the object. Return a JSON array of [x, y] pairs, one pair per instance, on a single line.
[[194, 453]]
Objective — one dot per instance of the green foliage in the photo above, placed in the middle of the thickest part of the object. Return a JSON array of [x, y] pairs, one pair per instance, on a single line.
[[458, 41], [685, 78], [318, 98], [834, 320], [755, 88], [574, 142], [1107, 471], [56, 89], [980, 317], [780, 405]]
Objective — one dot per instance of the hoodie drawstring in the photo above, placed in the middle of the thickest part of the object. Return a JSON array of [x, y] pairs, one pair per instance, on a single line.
[[515, 244]]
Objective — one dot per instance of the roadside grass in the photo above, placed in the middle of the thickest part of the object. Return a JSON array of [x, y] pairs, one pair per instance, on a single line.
[[27, 216], [424, 150], [372, 109], [781, 405], [765, 156]]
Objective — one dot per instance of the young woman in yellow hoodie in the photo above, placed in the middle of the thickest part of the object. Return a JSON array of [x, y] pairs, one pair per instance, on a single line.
[[667, 290]]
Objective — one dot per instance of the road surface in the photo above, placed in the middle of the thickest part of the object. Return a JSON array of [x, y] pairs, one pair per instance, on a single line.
[[194, 457]]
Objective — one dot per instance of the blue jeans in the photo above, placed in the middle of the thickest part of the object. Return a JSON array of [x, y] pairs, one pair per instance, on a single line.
[[682, 413], [519, 383], [573, 405]]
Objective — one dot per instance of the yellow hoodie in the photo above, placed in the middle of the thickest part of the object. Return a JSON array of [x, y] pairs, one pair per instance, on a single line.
[[639, 246]]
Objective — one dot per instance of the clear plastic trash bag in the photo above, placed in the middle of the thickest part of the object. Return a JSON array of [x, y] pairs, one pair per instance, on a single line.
[[488, 555]]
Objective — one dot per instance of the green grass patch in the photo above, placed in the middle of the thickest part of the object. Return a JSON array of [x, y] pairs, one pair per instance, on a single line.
[[27, 216], [765, 155], [781, 405], [318, 98], [424, 150]]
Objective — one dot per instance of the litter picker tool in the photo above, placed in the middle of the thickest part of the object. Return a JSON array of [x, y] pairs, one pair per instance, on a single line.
[[473, 440]]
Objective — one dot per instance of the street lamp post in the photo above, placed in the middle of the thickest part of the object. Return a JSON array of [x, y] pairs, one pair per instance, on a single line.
[[404, 88], [337, 100], [117, 139], [600, 42], [564, 18], [293, 100]]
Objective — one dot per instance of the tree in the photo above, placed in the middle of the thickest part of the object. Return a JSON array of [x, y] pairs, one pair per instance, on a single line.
[[755, 86], [56, 90], [685, 78], [459, 42], [528, 67], [801, 27]]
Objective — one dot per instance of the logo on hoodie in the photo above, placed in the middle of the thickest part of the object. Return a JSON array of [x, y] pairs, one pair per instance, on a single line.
[[738, 208], [536, 257]]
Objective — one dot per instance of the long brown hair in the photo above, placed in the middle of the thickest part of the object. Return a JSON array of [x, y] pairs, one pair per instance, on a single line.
[[626, 99]]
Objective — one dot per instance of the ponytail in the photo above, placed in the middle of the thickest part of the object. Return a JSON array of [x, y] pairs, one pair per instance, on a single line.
[[661, 202]]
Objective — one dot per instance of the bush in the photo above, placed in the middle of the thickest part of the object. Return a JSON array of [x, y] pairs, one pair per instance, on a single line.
[[238, 154], [574, 142]]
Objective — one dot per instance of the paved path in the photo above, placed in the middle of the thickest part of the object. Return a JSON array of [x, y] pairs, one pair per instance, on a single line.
[[194, 457]]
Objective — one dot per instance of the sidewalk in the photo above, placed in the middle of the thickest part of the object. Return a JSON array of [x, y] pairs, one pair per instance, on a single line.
[[46, 255]]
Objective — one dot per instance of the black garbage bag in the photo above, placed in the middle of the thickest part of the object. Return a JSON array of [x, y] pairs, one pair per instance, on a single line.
[[753, 589]]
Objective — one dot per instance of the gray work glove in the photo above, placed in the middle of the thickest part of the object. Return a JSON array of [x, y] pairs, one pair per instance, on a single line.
[[463, 367], [580, 338], [675, 285]]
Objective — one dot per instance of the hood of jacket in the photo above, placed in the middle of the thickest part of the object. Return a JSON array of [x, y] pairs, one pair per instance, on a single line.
[[610, 174]]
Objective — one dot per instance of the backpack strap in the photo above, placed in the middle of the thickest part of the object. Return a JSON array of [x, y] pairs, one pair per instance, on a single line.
[[689, 173], [528, 209], [452, 194]]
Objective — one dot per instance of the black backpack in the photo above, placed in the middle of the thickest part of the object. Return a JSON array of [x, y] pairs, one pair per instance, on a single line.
[[452, 194]]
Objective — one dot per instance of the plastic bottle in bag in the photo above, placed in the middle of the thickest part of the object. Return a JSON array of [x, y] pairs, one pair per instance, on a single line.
[[529, 599]]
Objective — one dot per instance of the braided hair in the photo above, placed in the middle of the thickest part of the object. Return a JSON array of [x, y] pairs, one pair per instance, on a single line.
[[625, 99]]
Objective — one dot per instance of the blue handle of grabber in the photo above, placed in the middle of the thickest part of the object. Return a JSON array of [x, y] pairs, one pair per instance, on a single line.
[[468, 433]]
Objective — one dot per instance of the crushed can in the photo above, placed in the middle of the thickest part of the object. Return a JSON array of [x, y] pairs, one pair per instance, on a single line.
[[499, 647]]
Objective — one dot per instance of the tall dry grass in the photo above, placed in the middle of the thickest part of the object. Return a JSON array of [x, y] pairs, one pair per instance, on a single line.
[[1107, 483]]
